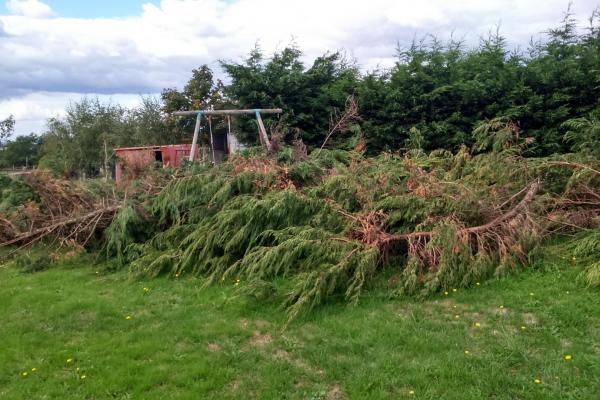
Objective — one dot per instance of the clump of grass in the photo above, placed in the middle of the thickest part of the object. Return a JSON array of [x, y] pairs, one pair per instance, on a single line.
[[31, 262], [591, 275]]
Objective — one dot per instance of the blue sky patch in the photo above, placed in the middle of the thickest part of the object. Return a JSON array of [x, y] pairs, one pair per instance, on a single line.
[[94, 8]]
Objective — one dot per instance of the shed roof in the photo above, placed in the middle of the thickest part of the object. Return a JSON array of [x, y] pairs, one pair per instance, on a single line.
[[154, 147]]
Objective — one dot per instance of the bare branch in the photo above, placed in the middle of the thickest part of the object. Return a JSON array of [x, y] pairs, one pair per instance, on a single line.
[[341, 122]]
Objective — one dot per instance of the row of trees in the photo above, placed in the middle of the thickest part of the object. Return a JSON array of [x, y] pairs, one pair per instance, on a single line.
[[437, 95], [82, 142], [438, 92], [444, 91]]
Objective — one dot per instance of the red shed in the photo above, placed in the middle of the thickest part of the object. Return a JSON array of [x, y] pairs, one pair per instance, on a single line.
[[136, 159]]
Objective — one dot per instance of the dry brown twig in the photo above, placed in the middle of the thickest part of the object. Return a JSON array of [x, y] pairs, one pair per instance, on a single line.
[[579, 206], [276, 130], [299, 150], [341, 121], [7, 229]]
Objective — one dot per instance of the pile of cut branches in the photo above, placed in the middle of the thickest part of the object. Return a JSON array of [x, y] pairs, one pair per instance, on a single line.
[[330, 223], [59, 209], [325, 226]]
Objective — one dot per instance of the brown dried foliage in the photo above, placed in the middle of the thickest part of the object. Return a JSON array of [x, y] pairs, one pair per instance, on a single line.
[[263, 167], [64, 212], [500, 235], [299, 151]]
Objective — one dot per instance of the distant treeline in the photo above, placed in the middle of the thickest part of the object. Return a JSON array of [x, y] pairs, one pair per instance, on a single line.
[[437, 95]]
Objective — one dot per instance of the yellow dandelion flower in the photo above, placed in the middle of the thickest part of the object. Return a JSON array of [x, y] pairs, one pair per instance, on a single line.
[[83, 376], [237, 284], [568, 357], [467, 351], [478, 284], [531, 293], [567, 292], [77, 369], [33, 369], [146, 290], [445, 293], [537, 381], [454, 306], [454, 290], [128, 317], [177, 275], [523, 327], [477, 324], [501, 306], [574, 258], [24, 374], [69, 360], [411, 392], [457, 316]]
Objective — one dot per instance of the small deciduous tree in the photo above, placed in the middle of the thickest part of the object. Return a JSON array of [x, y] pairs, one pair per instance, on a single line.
[[199, 93], [7, 127]]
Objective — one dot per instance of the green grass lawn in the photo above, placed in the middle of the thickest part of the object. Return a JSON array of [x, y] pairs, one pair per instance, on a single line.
[[175, 341]]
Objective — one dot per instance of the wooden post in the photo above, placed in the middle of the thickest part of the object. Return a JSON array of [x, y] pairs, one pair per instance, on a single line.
[[195, 140], [262, 132], [228, 150], [105, 160], [212, 146]]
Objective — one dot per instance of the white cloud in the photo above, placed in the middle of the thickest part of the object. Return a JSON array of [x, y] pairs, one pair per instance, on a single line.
[[33, 106], [33, 109], [159, 47], [29, 8]]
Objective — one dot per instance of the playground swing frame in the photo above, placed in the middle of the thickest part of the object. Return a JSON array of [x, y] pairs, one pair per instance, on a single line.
[[262, 132]]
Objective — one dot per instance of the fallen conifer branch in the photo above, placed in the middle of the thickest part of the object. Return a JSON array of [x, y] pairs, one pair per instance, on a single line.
[[572, 165], [522, 205]]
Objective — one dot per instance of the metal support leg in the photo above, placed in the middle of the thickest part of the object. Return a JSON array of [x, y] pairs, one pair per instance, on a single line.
[[195, 140]]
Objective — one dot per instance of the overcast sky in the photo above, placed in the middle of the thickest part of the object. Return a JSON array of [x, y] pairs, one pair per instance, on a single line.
[[56, 51]]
